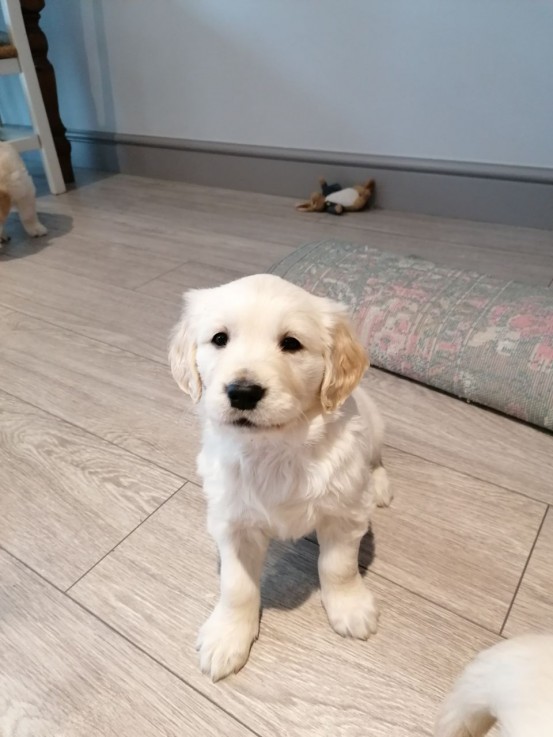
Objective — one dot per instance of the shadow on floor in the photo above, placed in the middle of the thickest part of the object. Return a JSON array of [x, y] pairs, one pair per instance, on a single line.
[[20, 245], [291, 575]]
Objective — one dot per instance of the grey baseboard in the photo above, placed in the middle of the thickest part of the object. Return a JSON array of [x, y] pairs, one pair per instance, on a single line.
[[513, 195]]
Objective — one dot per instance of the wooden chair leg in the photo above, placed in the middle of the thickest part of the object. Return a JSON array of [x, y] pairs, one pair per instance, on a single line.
[[47, 80], [33, 95]]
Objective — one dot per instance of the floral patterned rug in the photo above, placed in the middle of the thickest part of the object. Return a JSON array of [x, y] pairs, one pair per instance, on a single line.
[[474, 336]]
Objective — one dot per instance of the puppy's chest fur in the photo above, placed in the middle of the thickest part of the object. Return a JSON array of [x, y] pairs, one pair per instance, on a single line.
[[286, 486]]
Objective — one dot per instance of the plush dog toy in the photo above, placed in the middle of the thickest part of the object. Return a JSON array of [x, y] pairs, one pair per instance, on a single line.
[[335, 199]]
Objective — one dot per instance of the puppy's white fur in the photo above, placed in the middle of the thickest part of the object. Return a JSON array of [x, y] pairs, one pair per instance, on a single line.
[[511, 683], [309, 459], [17, 189]]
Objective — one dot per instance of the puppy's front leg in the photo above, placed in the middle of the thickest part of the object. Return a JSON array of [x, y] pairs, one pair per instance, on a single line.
[[349, 605], [226, 638]]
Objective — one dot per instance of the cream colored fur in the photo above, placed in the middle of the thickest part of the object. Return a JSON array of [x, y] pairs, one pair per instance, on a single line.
[[309, 459], [511, 684], [17, 189]]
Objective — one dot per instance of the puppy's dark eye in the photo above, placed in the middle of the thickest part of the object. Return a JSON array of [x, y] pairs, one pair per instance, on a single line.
[[290, 344], [220, 340]]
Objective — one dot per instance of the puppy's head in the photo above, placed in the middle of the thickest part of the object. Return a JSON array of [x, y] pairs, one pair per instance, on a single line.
[[261, 353]]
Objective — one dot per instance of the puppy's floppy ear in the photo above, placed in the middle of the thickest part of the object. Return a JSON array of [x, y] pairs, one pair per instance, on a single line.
[[182, 354], [345, 364]]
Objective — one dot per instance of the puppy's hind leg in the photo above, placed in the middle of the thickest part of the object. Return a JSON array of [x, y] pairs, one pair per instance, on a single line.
[[380, 482], [382, 490], [27, 212]]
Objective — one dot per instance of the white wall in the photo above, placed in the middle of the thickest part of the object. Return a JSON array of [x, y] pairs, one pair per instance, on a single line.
[[468, 80]]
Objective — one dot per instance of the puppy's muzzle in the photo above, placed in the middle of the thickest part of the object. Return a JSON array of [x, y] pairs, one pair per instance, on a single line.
[[244, 396]]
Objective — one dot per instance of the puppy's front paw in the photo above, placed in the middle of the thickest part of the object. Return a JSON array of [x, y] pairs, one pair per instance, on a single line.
[[383, 493], [352, 612], [35, 230], [225, 641]]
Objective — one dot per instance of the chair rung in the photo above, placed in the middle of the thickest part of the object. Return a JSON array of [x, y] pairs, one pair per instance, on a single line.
[[22, 139], [28, 143], [10, 66]]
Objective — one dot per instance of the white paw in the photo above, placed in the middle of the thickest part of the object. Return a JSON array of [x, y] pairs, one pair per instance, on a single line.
[[225, 641], [353, 612], [36, 230], [383, 493]]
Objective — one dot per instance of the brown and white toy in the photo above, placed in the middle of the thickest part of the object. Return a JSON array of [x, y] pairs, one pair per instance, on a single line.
[[335, 199]]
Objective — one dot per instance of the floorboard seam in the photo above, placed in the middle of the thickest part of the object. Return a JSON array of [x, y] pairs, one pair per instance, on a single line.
[[160, 663], [149, 281], [463, 473], [525, 568], [19, 311], [130, 642], [87, 431], [122, 540], [484, 627], [31, 569]]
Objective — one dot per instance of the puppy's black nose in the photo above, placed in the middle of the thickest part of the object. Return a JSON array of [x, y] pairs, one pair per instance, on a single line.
[[244, 396]]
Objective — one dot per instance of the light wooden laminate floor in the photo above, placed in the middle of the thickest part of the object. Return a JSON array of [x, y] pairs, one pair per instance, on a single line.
[[106, 571]]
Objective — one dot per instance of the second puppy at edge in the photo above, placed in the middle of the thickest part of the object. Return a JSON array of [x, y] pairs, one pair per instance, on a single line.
[[290, 445]]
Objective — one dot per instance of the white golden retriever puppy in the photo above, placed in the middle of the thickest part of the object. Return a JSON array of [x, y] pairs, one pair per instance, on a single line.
[[287, 448], [17, 188], [511, 683]]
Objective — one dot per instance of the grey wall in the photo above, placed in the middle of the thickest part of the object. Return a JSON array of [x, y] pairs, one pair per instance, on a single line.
[[466, 80]]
